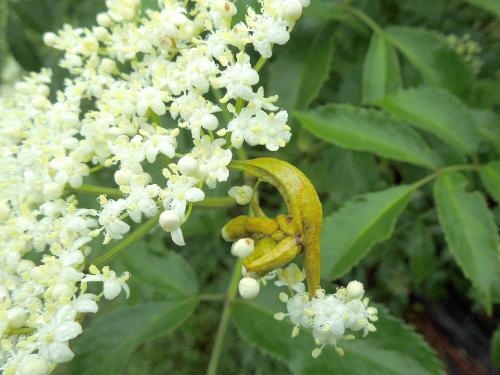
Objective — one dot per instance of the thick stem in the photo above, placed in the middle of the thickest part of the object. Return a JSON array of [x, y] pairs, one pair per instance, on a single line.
[[224, 321]]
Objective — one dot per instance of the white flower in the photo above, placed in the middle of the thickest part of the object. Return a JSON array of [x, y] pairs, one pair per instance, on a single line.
[[170, 221], [151, 98], [329, 316], [238, 80], [242, 194], [112, 285], [33, 365], [137, 64], [52, 339]]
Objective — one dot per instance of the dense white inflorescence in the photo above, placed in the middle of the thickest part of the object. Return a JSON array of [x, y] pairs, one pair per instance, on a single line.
[[331, 317], [148, 77]]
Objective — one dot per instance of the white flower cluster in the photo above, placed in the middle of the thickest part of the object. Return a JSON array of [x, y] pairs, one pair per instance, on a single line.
[[330, 317], [138, 81]]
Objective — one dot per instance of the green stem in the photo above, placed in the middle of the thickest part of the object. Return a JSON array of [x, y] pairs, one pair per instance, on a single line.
[[128, 241], [439, 172], [97, 190], [260, 64], [20, 331], [224, 321], [95, 169], [362, 16]]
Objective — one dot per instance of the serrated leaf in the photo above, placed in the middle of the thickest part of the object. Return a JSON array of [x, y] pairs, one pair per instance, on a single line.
[[437, 112], [430, 54], [368, 130], [168, 272], [350, 233], [107, 343], [421, 251], [381, 73], [394, 349], [490, 176], [470, 232], [297, 74], [492, 6]]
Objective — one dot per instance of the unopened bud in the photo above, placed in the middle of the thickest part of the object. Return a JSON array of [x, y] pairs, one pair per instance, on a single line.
[[170, 220], [249, 288], [188, 165], [242, 248], [355, 290]]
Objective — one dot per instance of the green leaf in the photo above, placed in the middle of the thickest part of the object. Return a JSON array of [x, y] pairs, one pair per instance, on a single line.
[[421, 251], [169, 272], [21, 46], [350, 233], [110, 339], [490, 176], [368, 130], [437, 112], [394, 349], [430, 54], [470, 232], [297, 74], [495, 348], [488, 126], [381, 73], [492, 6]]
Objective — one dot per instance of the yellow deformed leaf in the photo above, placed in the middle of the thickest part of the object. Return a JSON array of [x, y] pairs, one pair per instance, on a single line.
[[303, 223]]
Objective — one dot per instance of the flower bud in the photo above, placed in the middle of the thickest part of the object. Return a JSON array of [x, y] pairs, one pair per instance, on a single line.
[[122, 176], [170, 220], [354, 290], [108, 66], [242, 248], [16, 317], [293, 9], [209, 122], [188, 165], [242, 194], [50, 39], [33, 365], [52, 190], [249, 288], [103, 20]]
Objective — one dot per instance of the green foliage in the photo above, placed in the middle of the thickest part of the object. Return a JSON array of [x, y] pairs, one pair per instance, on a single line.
[[492, 6], [444, 116], [297, 75], [381, 74], [367, 130], [394, 349], [168, 272], [110, 339], [421, 252], [470, 232], [490, 175], [352, 231], [429, 53]]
